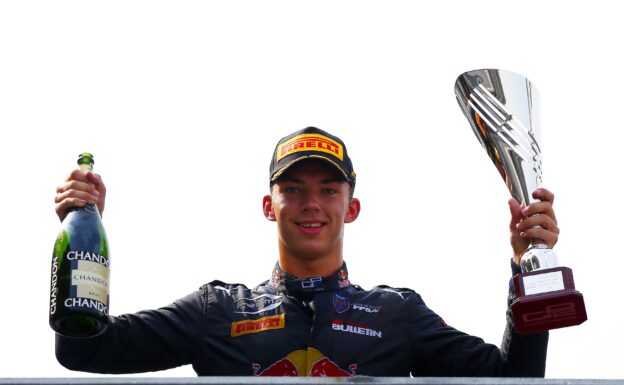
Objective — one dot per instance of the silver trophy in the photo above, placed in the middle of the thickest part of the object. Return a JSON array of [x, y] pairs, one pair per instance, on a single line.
[[488, 98], [502, 108]]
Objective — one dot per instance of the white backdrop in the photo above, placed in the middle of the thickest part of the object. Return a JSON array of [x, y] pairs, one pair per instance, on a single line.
[[182, 102]]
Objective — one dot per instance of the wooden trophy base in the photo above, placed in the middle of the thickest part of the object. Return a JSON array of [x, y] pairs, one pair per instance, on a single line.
[[546, 299]]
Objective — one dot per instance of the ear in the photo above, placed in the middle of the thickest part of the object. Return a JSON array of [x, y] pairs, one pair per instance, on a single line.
[[353, 210], [267, 208]]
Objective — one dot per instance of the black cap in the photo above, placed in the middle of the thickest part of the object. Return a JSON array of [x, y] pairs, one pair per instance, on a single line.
[[311, 143]]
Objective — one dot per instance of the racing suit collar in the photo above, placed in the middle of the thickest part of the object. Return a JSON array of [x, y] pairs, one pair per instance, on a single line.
[[284, 282]]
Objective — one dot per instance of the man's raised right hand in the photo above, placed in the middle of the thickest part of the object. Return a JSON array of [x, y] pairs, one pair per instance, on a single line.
[[80, 188]]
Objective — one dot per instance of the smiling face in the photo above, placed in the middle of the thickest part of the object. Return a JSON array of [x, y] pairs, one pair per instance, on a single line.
[[311, 203]]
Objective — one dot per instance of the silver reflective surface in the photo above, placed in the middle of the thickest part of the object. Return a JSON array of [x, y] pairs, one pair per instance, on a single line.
[[503, 110]]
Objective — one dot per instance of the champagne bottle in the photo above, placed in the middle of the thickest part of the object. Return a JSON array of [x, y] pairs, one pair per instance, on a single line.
[[79, 294]]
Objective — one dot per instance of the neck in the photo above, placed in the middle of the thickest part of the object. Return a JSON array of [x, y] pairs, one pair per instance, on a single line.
[[320, 267]]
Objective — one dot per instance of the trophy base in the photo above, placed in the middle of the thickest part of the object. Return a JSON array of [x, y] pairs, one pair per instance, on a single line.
[[546, 300]]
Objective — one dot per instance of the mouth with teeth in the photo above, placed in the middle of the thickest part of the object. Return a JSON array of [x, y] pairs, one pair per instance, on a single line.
[[310, 228]]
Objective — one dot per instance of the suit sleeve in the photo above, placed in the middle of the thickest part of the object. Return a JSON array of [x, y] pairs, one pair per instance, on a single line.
[[440, 350], [145, 341]]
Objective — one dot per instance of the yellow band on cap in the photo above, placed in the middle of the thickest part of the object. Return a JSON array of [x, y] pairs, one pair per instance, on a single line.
[[310, 142]]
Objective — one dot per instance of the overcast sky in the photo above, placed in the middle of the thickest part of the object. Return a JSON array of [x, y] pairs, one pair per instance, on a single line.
[[182, 103]]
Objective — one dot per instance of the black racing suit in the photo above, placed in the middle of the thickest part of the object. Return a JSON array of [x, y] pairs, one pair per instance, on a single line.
[[305, 327]]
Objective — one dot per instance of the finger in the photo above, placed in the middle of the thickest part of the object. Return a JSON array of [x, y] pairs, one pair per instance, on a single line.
[[76, 181], [62, 206], [71, 202], [94, 178], [97, 180], [91, 198], [78, 175], [539, 208], [101, 190], [515, 209], [542, 221], [80, 186], [547, 237], [544, 195]]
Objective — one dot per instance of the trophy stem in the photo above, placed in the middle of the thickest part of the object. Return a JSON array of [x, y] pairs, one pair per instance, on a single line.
[[538, 256], [536, 243]]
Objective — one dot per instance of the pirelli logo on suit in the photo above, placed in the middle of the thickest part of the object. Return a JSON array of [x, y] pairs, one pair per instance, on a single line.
[[241, 328], [310, 142]]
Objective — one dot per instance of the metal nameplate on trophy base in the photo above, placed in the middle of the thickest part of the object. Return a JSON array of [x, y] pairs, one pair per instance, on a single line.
[[501, 107]]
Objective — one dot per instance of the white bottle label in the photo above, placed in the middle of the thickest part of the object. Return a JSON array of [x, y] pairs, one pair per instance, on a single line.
[[91, 281]]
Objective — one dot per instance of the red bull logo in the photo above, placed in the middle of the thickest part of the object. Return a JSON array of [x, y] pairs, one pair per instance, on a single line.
[[282, 368], [304, 363]]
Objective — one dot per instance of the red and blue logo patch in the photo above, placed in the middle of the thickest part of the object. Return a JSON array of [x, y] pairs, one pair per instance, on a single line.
[[341, 304]]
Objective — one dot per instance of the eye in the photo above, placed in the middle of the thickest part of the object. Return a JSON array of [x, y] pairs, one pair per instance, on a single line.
[[329, 191], [291, 190]]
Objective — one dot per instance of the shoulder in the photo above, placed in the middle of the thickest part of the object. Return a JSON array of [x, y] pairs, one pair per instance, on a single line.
[[219, 289], [221, 292], [388, 294]]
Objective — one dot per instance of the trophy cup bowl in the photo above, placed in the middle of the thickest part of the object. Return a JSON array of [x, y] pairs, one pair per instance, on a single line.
[[502, 108]]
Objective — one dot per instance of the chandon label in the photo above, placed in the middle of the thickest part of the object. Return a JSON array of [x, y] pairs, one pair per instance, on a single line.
[[88, 303], [90, 280], [86, 256], [54, 288]]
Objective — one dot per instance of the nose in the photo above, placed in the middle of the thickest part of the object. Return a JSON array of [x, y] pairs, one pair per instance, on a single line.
[[311, 202]]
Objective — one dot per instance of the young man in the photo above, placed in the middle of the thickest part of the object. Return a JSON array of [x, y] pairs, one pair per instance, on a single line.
[[308, 319]]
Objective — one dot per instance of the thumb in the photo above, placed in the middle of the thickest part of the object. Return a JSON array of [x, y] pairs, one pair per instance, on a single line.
[[515, 209]]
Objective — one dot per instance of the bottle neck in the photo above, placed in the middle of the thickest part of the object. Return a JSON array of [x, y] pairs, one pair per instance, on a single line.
[[85, 167]]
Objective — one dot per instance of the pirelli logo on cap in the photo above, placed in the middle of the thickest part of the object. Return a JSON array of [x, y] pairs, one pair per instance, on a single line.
[[241, 328], [310, 142]]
